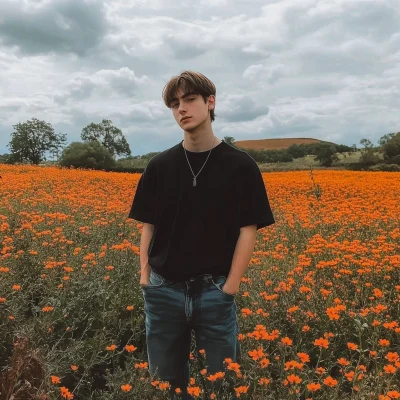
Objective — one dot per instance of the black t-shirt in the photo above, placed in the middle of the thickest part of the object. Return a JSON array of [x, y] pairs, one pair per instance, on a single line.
[[196, 227]]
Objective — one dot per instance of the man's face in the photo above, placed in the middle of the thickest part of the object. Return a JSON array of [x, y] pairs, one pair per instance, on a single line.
[[191, 106]]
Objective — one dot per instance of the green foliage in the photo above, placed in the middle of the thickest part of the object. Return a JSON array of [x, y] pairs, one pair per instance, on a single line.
[[395, 159], [87, 155], [108, 136], [230, 140], [368, 156], [385, 138], [385, 167], [342, 148], [297, 151], [31, 139], [326, 154], [392, 147], [5, 159]]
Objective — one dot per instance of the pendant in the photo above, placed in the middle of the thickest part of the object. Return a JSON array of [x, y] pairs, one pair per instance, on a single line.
[[194, 181]]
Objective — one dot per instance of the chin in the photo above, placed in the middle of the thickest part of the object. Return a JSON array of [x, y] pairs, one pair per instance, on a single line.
[[189, 128]]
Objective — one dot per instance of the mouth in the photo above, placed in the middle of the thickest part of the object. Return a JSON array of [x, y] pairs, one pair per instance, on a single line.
[[185, 119]]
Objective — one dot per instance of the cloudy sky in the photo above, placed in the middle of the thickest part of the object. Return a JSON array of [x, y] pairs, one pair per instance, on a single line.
[[325, 69]]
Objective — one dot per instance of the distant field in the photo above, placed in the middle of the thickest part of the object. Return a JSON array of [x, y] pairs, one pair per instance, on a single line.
[[274, 144]]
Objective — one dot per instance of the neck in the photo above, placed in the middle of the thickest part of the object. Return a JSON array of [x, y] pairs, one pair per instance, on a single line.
[[200, 144]]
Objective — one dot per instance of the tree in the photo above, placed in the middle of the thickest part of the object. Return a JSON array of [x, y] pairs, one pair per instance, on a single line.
[[326, 154], [296, 151], [87, 155], [385, 138], [108, 136], [31, 139], [368, 156], [392, 147], [5, 158], [230, 140]]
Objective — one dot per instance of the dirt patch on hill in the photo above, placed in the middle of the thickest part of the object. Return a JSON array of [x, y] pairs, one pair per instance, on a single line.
[[273, 144]]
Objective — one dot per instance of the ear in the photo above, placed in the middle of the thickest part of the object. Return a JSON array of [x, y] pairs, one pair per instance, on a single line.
[[211, 102]]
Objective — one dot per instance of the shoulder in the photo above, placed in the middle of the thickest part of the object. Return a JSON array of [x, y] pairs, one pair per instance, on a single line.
[[163, 158], [242, 160]]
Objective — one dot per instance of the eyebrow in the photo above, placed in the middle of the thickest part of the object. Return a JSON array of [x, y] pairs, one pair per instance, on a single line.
[[184, 96]]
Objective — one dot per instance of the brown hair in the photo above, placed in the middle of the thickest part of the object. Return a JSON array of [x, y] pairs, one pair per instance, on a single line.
[[190, 82]]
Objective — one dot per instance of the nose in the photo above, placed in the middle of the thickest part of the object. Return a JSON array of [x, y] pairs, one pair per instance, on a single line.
[[181, 107]]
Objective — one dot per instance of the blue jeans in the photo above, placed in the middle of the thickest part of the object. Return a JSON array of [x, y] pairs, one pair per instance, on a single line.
[[173, 310]]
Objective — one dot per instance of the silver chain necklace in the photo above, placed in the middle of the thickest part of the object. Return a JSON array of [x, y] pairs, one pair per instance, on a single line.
[[195, 176]]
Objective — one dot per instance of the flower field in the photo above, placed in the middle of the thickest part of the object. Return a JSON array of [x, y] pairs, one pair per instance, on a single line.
[[319, 305]]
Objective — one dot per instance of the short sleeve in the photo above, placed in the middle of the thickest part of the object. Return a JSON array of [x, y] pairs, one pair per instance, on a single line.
[[254, 208], [144, 202]]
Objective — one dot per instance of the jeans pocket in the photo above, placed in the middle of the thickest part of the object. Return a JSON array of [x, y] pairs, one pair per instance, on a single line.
[[218, 282], [155, 281]]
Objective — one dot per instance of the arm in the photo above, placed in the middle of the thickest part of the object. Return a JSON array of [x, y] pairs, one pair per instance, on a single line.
[[241, 258], [147, 234]]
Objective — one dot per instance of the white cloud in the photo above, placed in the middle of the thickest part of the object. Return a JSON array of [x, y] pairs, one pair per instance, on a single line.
[[287, 68]]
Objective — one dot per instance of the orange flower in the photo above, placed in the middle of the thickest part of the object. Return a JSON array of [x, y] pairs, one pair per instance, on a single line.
[[141, 365], [349, 375], [163, 386], [194, 391], [126, 388], [329, 381], [16, 287], [313, 387], [74, 367], [392, 357], [264, 363], [343, 361], [286, 341], [384, 342], [241, 389], [256, 354], [111, 348], [352, 346], [390, 369], [217, 375], [130, 348], [293, 364], [304, 357], [321, 342], [129, 308], [65, 393], [264, 381], [55, 379], [294, 379]]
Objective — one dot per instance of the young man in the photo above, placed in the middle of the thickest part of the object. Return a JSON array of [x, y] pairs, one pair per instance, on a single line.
[[201, 202]]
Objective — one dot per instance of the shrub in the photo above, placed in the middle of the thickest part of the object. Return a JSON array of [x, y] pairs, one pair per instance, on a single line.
[[87, 155]]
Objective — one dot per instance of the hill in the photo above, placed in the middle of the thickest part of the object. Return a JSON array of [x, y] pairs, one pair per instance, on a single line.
[[274, 144]]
